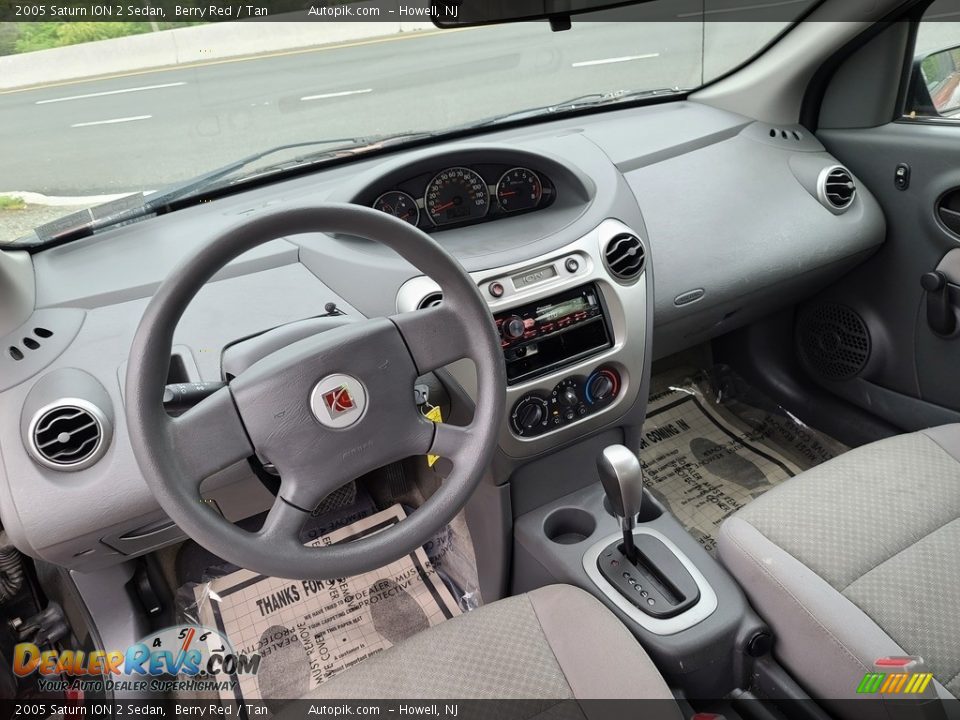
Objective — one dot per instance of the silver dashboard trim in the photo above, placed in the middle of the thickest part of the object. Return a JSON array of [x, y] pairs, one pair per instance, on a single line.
[[622, 301], [704, 608]]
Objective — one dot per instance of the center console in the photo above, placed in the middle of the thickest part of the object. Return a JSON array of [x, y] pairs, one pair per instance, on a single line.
[[615, 540], [575, 329]]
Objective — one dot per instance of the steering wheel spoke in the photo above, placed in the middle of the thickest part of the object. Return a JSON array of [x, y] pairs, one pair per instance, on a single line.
[[450, 441], [209, 437], [281, 528], [435, 336]]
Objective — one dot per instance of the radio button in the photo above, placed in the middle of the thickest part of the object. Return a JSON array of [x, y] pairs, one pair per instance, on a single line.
[[513, 327], [496, 289]]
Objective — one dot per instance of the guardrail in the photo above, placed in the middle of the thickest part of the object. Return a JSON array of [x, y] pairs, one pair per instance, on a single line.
[[184, 46]]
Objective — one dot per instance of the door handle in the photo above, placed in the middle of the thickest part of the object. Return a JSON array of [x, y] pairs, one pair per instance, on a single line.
[[942, 288]]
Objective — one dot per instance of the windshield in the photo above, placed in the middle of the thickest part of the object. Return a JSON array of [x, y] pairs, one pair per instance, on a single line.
[[96, 111]]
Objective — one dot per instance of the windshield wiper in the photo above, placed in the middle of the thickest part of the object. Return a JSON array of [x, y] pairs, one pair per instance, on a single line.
[[137, 205]]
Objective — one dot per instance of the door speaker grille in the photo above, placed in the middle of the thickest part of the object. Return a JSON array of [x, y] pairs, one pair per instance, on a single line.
[[833, 341]]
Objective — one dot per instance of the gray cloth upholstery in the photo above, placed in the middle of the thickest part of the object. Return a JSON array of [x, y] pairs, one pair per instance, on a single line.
[[858, 558], [552, 644]]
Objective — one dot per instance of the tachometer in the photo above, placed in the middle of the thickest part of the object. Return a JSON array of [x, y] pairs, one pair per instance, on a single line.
[[398, 204], [519, 189], [456, 195]]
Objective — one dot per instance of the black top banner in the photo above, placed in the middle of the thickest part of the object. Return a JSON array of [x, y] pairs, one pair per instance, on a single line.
[[170, 13]]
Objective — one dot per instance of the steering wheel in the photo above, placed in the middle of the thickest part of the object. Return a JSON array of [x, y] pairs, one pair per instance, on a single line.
[[324, 410]]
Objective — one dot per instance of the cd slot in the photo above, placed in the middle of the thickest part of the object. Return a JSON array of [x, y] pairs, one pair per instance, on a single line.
[[550, 334]]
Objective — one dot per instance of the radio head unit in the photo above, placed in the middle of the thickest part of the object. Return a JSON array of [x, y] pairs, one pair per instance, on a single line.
[[562, 329]]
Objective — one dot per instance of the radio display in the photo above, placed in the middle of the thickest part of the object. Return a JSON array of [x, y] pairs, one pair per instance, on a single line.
[[552, 313], [543, 335]]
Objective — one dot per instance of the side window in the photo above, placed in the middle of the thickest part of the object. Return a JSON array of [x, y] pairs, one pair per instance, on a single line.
[[935, 82]]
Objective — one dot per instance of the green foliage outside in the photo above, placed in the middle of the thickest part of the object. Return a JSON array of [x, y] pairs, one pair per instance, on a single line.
[[23, 37], [27, 37], [11, 203]]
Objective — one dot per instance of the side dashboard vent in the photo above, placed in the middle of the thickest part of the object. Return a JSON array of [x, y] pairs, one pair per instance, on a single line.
[[68, 435], [431, 300], [836, 189], [779, 134], [833, 341], [624, 256]]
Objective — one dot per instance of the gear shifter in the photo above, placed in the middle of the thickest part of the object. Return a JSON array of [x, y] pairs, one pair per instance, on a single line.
[[642, 569], [622, 480]]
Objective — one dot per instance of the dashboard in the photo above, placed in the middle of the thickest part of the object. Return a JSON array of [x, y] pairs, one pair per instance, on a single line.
[[465, 195], [599, 242]]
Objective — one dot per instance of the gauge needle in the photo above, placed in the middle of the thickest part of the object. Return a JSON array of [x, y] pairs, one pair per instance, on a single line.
[[507, 193], [440, 208]]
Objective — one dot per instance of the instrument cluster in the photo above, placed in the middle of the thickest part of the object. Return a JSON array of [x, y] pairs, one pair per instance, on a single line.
[[465, 195]]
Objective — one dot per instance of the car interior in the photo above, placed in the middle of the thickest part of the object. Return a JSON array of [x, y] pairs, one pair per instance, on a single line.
[[652, 397]]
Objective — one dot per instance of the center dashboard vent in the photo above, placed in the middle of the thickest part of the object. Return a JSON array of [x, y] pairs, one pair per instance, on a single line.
[[68, 436], [624, 256], [836, 189]]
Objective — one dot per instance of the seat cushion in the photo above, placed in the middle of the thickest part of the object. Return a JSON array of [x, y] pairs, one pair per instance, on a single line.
[[858, 559], [554, 643]]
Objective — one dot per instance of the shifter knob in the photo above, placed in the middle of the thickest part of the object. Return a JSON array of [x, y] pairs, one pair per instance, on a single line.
[[622, 480]]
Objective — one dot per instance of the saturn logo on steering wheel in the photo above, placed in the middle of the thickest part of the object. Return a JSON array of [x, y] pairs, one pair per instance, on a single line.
[[338, 401]]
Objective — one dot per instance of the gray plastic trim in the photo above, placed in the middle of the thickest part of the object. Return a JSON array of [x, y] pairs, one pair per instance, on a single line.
[[63, 325], [17, 289], [669, 626]]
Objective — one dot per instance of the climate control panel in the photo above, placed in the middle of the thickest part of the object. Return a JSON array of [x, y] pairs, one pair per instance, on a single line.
[[572, 399]]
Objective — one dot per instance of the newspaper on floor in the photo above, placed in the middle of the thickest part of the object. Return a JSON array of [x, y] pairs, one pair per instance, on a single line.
[[308, 631], [702, 464]]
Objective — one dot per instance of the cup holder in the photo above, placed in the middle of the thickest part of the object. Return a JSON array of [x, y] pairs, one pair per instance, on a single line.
[[569, 526], [650, 510]]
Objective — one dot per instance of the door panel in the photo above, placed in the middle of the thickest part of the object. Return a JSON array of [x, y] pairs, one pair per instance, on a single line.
[[906, 357]]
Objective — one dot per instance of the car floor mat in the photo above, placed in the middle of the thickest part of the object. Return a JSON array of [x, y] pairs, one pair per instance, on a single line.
[[711, 444]]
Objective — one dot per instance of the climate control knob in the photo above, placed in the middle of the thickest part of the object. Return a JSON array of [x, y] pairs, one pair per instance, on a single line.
[[602, 386], [569, 397], [529, 415]]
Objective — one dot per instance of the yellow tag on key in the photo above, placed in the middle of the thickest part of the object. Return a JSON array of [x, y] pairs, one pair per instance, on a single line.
[[434, 415]]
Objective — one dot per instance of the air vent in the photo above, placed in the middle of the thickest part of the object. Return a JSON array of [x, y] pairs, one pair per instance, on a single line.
[[624, 256], [69, 435], [29, 343], [777, 133], [431, 300], [836, 189]]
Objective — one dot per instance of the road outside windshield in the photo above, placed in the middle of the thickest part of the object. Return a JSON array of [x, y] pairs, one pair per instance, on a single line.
[[95, 111]]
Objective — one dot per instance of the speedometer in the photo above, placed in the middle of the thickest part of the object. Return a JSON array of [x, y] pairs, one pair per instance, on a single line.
[[456, 195]]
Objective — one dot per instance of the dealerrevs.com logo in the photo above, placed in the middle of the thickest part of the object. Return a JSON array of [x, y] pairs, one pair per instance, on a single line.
[[192, 651]]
